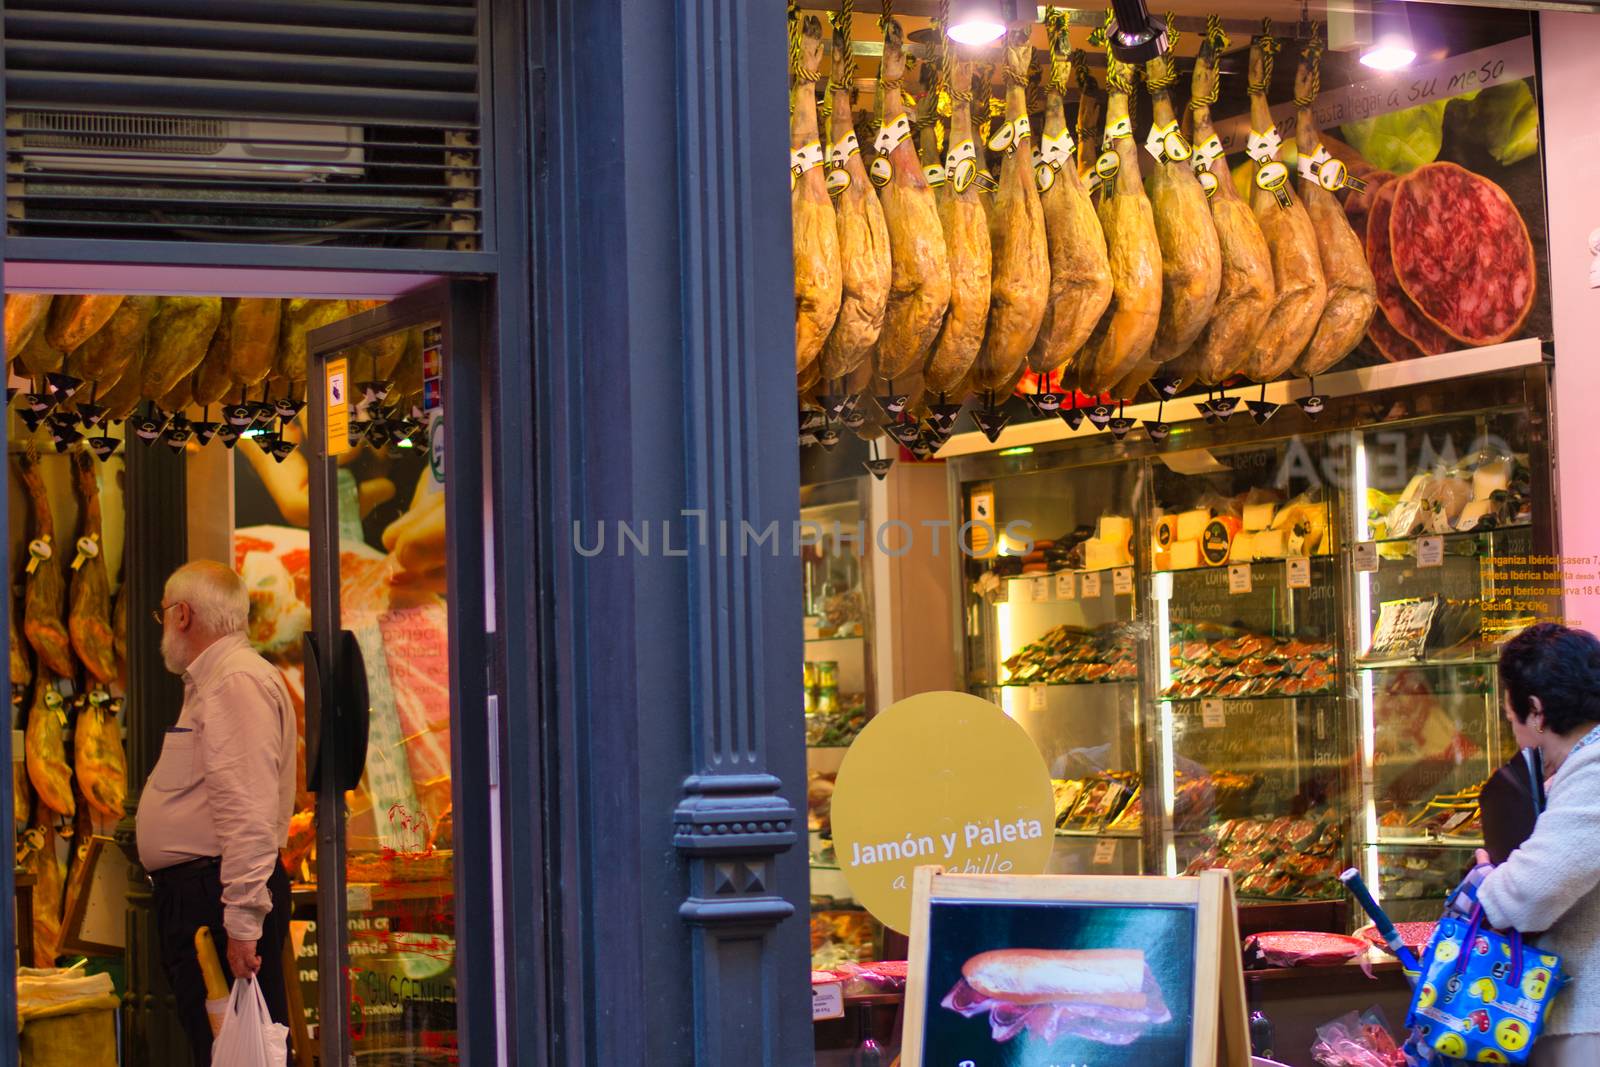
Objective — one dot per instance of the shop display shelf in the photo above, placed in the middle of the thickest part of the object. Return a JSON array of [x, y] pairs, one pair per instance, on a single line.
[[1069, 570], [1476, 660], [1096, 835], [1278, 564], [1257, 698], [1422, 841], [1451, 536], [1064, 685], [834, 640]]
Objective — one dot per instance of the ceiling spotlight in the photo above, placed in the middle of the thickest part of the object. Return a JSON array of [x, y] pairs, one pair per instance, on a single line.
[[1391, 47], [975, 22], [1134, 35]]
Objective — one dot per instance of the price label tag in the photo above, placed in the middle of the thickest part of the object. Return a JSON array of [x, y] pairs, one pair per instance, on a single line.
[[1066, 586], [1238, 578], [1366, 557], [827, 1001], [1430, 552], [1213, 714], [1299, 572], [1091, 585], [1038, 696], [358, 897], [1122, 581], [1104, 852], [1039, 590], [1002, 595]]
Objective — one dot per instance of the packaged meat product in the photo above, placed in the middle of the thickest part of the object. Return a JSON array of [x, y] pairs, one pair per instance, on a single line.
[[1108, 996], [1462, 253], [818, 277], [76, 318], [1296, 262], [44, 598], [1351, 290], [1123, 338], [919, 292], [1247, 291], [1080, 267], [180, 333], [1020, 264], [1191, 257], [864, 256], [1301, 948]]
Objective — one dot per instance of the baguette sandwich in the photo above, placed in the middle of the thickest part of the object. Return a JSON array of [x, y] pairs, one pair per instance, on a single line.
[[1107, 996]]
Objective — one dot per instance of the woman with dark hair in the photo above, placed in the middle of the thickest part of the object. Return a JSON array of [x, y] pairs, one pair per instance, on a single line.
[[1550, 885]]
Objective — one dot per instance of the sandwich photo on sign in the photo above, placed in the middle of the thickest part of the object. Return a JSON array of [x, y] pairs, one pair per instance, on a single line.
[[1032, 984]]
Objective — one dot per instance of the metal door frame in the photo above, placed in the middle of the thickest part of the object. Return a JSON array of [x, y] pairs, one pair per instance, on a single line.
[[458, 306]]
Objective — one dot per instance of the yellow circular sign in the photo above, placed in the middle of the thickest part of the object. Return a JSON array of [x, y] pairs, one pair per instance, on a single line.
[[946, 779]]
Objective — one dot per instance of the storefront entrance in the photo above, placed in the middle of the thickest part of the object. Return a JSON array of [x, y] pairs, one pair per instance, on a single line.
[[347, 487]]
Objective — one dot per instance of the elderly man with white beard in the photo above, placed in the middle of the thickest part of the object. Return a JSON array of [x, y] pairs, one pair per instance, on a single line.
[[216, 809]]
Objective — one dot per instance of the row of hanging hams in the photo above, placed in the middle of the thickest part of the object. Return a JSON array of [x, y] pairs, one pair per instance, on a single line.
[[168, 364], [76, 776], [1096, 269]]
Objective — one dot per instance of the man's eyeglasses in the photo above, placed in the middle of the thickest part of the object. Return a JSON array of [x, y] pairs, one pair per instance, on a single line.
[[159, 614]]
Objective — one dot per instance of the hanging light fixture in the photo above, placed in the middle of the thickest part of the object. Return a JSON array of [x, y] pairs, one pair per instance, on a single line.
[[1135, 36], [1391, 47], [975, 22]]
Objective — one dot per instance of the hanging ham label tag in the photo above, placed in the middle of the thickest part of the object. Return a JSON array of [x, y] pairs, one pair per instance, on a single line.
[[1044, 176], [39, 550], [88, 548], [1106, 167], [838, 181], [961, 165], [986, 182], [1003, 137], [893, 135], [1207, 152], [1274, 177], [1123, 127], [1056, 150], [806, 157], [881, 171], [1208, 182], [53, 701], [840, 151], [1165, 142], [1328, 172], [934, 173], [1263, 147]]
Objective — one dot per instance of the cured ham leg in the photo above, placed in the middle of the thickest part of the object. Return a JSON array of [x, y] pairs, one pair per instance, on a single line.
[[1191, 257], [1080, 268], [75, 319], [49, 890], [1125, 334], [1302, 291], [919, 290], [100, 762], [89, 619], [966, 238], [44, 742], [864, 258], [45, 596], [818, 278], [1021, 255], [25, 313], [1247, 290], [1352, 293]]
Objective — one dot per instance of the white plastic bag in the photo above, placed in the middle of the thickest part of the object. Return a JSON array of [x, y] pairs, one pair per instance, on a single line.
[[249, 1037]]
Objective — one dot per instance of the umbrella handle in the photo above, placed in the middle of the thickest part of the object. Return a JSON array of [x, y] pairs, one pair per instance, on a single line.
[[1358, 888]]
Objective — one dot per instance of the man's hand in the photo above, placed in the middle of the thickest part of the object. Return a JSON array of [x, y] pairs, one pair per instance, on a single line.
[[242, 958]]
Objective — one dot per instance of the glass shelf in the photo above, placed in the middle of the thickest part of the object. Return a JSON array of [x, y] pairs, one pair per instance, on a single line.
[[1429, 661], [1069, 570], [834, 640], [1094, 835], [1451, 535], [1222, 568], [1261, 698], [1134, 682], [1427, 842]]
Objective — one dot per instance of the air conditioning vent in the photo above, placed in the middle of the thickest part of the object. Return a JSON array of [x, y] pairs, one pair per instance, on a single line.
[[170, 135]]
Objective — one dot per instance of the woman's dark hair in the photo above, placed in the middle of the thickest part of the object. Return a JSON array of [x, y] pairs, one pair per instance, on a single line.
[[1560, 666]]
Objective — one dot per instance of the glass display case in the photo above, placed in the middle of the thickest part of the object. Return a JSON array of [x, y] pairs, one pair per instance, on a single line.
[[1053, 637], [1246, 625], [837, 701], [1440, 573]]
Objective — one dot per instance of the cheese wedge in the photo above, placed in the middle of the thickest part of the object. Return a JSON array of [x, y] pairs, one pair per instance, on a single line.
[[1186, 555], [1474, 513], [1191, 524], [1414, 486], [1258, 516], [1489, 478], [1101, 555], [1271, 544], [1243, 549], [1115, 529]]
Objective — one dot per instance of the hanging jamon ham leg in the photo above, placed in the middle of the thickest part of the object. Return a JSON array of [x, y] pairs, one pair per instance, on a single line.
[[44, 599], [966, 238], [818, 278]]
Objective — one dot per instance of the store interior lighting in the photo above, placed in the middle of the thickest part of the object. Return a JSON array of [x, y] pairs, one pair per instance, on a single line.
[[1135, 35], [1392, 47], [975, 22]]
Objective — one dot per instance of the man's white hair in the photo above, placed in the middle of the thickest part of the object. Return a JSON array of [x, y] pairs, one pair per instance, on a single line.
[[214, 593]]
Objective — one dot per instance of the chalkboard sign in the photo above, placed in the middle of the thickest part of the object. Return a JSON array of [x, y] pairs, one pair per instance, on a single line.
[[1074, 972]]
